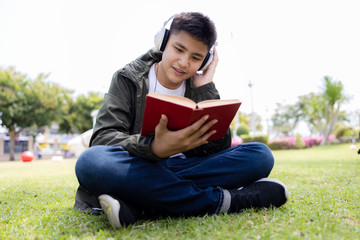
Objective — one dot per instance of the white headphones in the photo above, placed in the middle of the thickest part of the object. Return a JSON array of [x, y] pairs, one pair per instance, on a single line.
[[163, 35]]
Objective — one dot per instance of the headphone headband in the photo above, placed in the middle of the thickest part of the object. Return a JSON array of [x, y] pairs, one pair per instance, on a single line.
[[163, 35]]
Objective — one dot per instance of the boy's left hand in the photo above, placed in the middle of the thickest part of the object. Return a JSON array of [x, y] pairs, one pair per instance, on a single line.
[[208, 75]]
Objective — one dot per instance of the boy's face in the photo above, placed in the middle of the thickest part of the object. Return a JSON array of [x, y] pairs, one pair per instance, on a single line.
[[182, 57]]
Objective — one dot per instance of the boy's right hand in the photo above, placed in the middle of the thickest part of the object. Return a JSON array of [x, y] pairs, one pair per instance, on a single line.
[[167, 143]]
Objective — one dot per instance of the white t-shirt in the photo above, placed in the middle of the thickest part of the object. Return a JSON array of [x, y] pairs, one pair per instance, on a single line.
[[155, 85]]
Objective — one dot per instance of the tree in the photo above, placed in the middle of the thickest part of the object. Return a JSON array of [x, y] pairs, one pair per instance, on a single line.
[[25, 103], [320, 111], [78, 118], [286, 118], [241, 123], [334, 97], [257, 122], [312, 107]]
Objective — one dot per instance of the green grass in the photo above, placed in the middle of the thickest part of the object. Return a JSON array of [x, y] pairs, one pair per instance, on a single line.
[[36, 202]]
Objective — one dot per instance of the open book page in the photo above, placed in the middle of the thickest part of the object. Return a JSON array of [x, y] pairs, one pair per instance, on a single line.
[[174, 99], [216, 102]]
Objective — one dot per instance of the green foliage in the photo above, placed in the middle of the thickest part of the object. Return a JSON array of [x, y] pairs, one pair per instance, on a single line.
[[341, 131], [350, 133], [313, 108], [285, 118], [242, 119], [319, 110], [78, 118], [245, 121], [261, 138], [333, 91], [12, 97], [26, 102], [299, 143], [334, 96], [36, 202], [242, 130]]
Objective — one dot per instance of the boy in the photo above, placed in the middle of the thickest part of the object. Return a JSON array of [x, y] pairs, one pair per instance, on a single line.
[[170, 172]]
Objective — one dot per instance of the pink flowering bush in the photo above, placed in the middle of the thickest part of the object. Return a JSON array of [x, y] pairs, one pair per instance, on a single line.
[[284, 142], [289, 142], [236, 141], [312, 141]]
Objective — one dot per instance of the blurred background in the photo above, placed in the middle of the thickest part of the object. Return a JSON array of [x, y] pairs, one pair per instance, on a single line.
[[275, 56]]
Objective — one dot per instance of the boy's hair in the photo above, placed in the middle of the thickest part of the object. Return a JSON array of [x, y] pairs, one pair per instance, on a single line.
[[197, 25]]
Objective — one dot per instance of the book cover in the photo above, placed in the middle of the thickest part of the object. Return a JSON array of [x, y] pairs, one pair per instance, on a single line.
[[182, 112]]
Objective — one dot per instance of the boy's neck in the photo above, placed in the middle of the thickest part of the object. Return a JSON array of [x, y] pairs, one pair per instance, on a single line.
[[159, 77]]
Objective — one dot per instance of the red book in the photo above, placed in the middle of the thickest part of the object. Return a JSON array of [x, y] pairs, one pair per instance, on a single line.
[[182, 112]]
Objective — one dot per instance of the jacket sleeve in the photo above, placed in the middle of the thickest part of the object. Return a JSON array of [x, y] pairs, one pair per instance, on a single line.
[[206, 92], [115, 120]]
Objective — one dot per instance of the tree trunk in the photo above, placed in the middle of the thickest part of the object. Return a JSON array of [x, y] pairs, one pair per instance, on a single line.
[[12, 135], [325, 132], [330, 124]]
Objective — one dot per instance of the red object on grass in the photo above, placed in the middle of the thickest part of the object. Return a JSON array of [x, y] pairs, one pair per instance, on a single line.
[[27, 156]]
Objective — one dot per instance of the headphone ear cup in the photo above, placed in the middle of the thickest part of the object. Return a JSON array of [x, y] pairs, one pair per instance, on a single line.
[[165, 40], [161, 39]]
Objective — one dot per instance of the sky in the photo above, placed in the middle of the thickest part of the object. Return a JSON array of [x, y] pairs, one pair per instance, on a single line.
[[283, 47]]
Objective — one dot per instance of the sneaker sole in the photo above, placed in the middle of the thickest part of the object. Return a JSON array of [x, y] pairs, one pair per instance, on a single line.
[[287, 194], [111, 207]]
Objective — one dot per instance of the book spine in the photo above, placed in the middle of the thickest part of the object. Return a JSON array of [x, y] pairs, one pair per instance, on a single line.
[[196, 115]]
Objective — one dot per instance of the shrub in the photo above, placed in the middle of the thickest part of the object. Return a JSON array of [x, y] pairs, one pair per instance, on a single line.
[[242, 130], [311, 141], [280, 144], [235, 141], [340, 132], [260, 138], [299, 142], [292, 142]]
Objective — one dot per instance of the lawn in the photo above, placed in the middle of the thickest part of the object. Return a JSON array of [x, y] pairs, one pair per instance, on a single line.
[[36, 202]]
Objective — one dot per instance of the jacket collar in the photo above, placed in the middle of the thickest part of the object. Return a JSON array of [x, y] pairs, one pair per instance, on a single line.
[[139, 69]]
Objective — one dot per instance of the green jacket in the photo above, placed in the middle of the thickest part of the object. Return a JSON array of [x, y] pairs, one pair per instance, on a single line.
[[120, 118]]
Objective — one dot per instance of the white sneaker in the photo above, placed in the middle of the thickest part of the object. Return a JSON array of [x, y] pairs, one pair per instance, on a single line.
[[118, 213], [111, 207]]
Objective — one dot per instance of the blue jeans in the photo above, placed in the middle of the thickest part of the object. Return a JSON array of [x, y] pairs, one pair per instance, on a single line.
[[176, 186]]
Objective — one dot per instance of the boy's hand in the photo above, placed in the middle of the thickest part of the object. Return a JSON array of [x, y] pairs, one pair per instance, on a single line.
[[167, 143], [208, 75]]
